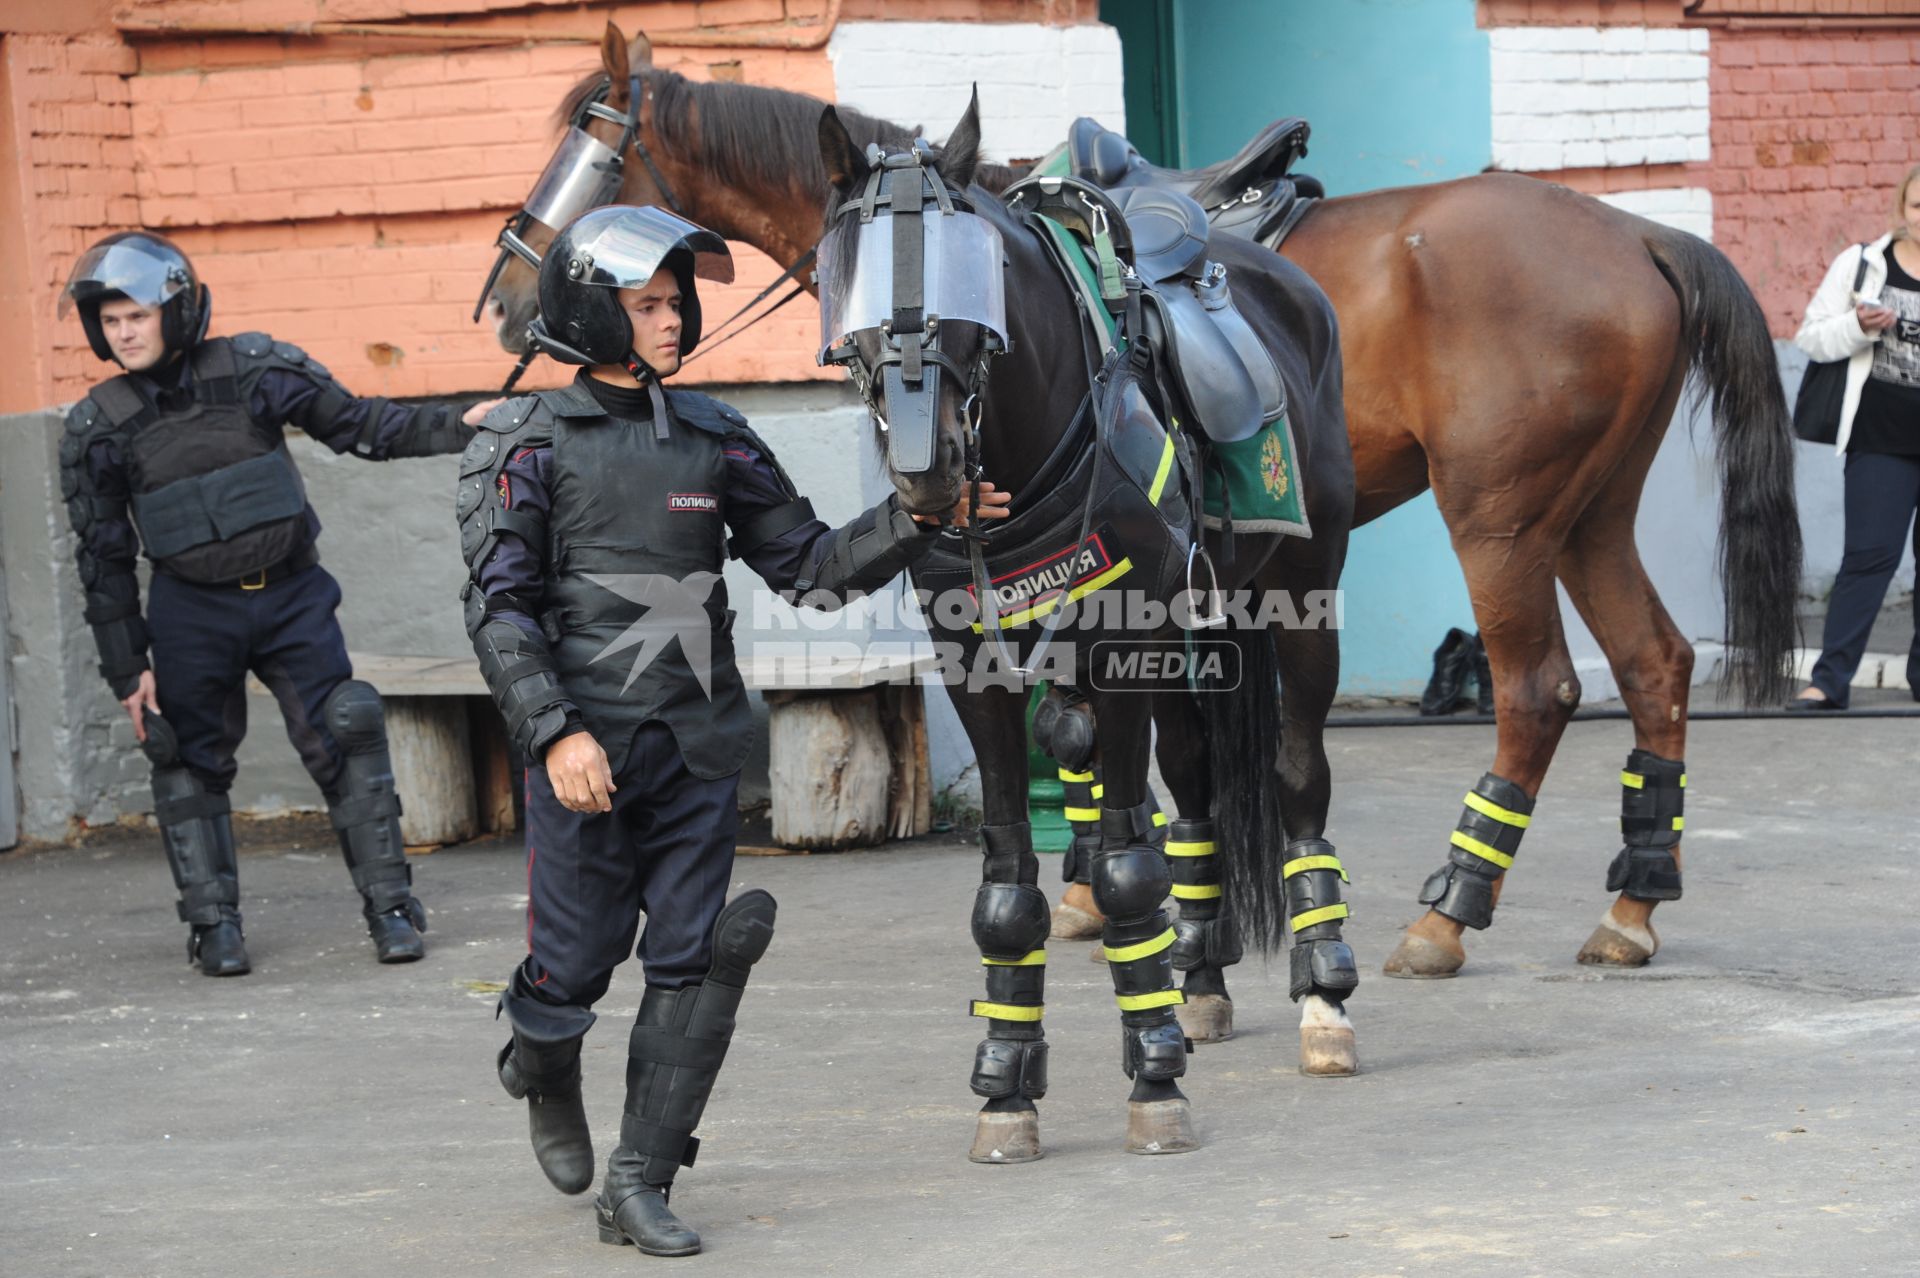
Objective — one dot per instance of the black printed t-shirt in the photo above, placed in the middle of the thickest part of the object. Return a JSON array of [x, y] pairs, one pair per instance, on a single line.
[[1889, 417]]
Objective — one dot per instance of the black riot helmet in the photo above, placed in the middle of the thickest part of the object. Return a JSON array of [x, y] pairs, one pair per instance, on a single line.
[[149, 269], [610, 248]]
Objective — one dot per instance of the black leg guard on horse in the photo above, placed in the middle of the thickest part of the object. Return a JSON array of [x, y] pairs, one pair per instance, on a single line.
[[1130, 880], [1077, 865], [679, 1042], [1653, 793], [541, 1065], [196, 828], [1497, 813], [365, 809], [1010, 924], [1320, 961], [1206, 942]]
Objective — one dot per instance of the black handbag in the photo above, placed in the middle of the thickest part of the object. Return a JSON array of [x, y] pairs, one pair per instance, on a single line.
[[1823, 391]]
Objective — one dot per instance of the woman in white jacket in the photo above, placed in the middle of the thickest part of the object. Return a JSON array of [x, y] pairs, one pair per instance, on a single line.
[[1878, 332]]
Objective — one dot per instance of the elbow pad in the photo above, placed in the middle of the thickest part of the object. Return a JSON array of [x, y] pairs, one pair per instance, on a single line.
[[870, 552], [526, 687]]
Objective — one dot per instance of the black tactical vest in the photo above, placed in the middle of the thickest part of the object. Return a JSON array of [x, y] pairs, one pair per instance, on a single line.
[[215, 495], [634, 602]]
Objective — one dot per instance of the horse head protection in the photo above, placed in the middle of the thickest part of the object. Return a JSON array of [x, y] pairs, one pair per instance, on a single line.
[[903, 258]]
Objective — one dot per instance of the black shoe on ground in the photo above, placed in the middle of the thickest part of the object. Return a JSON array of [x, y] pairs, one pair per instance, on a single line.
[[1452, 661], [219, 948], [1814, 703], [396, 933], [547, 1077], [642, 1219]]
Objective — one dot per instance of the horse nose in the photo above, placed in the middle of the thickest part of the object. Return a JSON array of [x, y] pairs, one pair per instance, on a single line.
[[496, 309]]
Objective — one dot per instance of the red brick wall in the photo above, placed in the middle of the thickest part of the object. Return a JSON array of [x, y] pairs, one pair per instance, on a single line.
[[1811, 129]]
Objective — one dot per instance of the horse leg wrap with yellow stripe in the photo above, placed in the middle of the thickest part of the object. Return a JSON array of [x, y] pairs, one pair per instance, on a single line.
[[1653, 794], [1204, 936], [1320, 962], [1130, 880], [1083, 792], [1010, 921], [1498, 812]]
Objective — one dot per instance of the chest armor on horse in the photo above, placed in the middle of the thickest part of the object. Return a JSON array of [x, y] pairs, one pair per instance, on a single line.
[[215, 494], [634, 604]]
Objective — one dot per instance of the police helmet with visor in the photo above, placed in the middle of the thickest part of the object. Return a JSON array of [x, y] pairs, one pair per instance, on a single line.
[[607, 249], [145, 268]]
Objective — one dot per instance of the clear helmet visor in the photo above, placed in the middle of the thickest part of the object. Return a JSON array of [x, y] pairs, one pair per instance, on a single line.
[[584, 173], [143, 272], [963, 276], [621, 247]]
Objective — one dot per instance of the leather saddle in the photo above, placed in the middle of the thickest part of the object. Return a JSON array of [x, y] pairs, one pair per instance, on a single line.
[[1227, 380], [1251, 194]]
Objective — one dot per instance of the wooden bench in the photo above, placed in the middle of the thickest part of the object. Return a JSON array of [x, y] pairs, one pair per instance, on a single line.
[[847, 746]]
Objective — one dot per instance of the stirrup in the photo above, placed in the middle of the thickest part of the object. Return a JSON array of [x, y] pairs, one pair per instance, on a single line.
[[1217, 604]]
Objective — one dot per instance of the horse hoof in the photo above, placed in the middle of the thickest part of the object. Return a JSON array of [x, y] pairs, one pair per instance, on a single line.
[[1327, 1051], [1160, 1127], [1006, 1138], [1418, 959], [1619, 945], [1071, 923], [1206, 1018]]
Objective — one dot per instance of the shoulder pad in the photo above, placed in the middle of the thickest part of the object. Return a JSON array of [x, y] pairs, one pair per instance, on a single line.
[[511, 416], [511, 425], [83, 417], [705, 412], [259, 348], [252, 345]]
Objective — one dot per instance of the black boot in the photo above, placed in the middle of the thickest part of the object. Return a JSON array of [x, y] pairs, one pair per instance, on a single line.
[[631, 1212], [1482, 676], [220, 949], [396, 931], [679, 1042], [1452, 661], [547, 1077]]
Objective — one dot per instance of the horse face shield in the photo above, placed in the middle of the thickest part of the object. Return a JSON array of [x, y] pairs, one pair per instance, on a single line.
[[915, 266]]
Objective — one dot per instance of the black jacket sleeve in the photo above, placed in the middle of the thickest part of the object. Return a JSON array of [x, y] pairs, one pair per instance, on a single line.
[[94, 482], [283, 383]]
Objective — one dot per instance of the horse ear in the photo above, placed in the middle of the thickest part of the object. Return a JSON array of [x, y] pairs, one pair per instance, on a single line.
[[961, 155], [613, 57], [845, 163], [639, 51]]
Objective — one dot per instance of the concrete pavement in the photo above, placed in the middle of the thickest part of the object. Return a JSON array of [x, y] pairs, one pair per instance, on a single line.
[[1747, 1105]]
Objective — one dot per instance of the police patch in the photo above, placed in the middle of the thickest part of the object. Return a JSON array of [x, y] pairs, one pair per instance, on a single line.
[[698, 502], [1065, 569]]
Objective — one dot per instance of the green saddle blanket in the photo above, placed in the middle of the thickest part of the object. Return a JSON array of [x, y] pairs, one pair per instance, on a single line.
[[1257, 480]]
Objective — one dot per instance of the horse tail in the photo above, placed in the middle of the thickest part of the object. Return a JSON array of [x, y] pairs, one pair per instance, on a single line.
[[1730, 350], [1243, 748]]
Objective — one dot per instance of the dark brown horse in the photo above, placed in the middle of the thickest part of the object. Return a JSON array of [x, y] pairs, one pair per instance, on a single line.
[[1516, 347]]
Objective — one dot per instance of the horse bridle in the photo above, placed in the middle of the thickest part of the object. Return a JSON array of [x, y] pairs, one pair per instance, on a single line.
[[512, 242]]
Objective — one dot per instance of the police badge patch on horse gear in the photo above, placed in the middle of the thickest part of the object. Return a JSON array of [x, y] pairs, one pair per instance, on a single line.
[[1037, 586]]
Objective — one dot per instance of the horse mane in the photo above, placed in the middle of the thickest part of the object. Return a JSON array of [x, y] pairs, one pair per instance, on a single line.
[[748, 134]]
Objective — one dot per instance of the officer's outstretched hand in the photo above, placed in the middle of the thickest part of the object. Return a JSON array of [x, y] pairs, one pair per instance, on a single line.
[[993, 505], [577, 767], [143, 698], [473, 416]]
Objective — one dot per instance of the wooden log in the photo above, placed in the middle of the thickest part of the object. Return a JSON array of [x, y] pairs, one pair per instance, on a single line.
[[904, 713], [432, 768], [495, 782], [830, 769]]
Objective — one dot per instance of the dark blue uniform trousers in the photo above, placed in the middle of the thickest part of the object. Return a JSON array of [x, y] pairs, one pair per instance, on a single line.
[[206, 638], [1882, 493], [666, 850]]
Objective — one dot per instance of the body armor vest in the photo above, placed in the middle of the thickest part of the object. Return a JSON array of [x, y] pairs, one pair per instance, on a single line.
[[634, 603], [215, 495]]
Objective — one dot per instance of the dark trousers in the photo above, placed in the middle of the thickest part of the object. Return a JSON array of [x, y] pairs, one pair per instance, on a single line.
[[666, 850], [206, 638], [1882, 493]]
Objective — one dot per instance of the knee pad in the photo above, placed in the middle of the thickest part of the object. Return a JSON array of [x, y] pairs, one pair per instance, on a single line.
[[1153, 1052], [162, 746], [1071, 740], [1129, 883], [741, 933], [1007, 1067], [1010, 920], [353, 715]]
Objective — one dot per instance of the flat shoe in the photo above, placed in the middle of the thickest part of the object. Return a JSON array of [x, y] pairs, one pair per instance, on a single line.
[[1813, 703]]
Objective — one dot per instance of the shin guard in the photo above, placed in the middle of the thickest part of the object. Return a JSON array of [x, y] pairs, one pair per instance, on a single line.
[[196, 828], [1010, 922], [680, 1040], [1652, 805], [1497, 813], [1130, 880], [365, 807], [1081, 813], [1320, 961], [1203, 935]]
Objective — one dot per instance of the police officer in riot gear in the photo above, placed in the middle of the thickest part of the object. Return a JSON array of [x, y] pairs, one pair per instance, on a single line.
[[182, 456], [595, 523]]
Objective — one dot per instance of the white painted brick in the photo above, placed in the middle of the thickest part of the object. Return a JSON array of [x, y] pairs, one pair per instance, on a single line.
[[1668, 149], [1599, 68], [1666, 40], [1699, 149], [1584, 155], [1033, 79], [1697, 40], [1697, 94], [1624, 39], [1622, 151], [1687, 209]]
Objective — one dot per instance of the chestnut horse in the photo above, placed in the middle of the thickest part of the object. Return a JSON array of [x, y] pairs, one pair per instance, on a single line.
[[1516, 347]]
